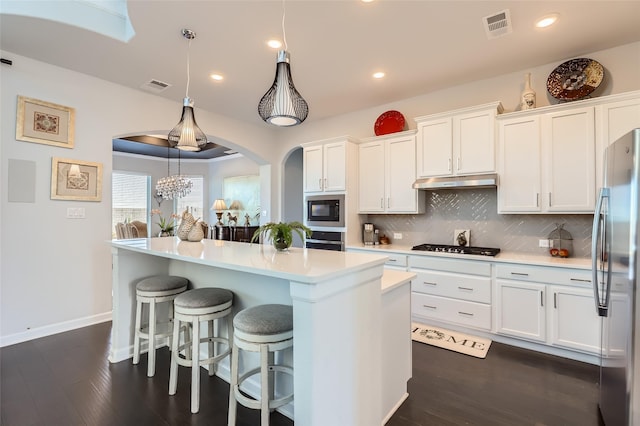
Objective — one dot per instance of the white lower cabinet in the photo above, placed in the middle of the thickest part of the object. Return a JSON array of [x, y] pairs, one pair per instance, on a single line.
[[547, 305], [441, 292], [521, 310]]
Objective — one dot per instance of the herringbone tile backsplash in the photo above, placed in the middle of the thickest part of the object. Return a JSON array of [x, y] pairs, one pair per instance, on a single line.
[[476, 209]]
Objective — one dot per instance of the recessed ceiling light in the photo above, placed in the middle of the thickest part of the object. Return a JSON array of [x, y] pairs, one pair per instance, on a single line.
[[217, 77], [274, 44], [367, 1], [378, 74], [547, 20]]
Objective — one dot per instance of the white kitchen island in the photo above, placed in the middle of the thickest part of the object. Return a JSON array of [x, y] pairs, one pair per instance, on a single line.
[[336, 298]]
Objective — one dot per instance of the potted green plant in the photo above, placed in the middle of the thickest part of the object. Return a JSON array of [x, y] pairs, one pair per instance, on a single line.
[[281, 234]]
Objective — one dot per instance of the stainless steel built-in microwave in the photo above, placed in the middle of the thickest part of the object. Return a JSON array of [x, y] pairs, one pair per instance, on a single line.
[[325, 210]]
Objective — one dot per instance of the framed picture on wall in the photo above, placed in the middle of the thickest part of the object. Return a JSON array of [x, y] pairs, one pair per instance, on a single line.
[[75, 180], [44, 122]]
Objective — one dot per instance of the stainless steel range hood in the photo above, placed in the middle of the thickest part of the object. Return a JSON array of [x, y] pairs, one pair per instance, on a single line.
[[457, 182]]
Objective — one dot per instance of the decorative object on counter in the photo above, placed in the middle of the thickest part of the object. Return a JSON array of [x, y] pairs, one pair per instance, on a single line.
[[451, 340], [384, 240], [528, 96], [281, 234], [80, 183], [196, 233], [283, 105], [219, 206], [247, 220], [389, 122], [44, 122], [560, 242], [462, 237], [187, 222], [575, 79], [176, 186], [186, 135], [166, 226]]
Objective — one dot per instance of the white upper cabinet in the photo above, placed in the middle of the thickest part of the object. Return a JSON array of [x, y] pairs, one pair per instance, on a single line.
[[460, 142], [614, 119], [325, 166], [387, 171], [546, 162]]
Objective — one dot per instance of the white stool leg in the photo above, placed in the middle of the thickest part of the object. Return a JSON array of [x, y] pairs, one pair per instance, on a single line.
[[136, 339], [170, 326], [232, 386], [151, 364], [195, 366], [173, 371], [264, 385], [211, 347]]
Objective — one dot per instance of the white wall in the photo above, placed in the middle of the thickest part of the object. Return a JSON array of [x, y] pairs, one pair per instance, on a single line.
[[55, 272], [227, 167]]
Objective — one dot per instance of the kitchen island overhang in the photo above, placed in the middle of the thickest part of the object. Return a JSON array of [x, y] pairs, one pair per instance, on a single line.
[[336, 302]]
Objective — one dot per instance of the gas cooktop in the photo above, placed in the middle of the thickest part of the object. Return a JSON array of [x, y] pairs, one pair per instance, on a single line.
[[443, 248]]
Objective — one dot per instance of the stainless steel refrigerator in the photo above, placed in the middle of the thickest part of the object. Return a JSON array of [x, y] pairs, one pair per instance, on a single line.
[[615, 277]]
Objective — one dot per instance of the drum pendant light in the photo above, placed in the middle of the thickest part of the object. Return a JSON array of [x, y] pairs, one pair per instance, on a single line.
[[186, 135], [283, 105]]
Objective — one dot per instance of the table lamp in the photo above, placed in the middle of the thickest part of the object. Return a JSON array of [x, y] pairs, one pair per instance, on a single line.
[[219, 205]]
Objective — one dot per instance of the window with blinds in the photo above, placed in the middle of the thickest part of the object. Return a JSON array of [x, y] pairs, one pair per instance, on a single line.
[[130, 198], [194, 201]]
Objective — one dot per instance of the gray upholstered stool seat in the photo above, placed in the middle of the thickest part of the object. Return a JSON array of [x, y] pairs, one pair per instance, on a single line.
[[192, 307], [264, 329], [151, 291]]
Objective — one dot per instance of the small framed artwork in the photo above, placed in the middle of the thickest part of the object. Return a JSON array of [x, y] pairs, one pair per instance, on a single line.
[[75, 180], [44, 122]]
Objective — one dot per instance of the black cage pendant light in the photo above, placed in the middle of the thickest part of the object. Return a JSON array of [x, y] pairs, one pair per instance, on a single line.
[[283, 105], [187, 135]]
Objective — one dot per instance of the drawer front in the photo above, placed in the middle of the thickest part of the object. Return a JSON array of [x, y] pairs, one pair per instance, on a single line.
[[464, 287], [450, 265], [396, 260], [460, 312], [541, 274]]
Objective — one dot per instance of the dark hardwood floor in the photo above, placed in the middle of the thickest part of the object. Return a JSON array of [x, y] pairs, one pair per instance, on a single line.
[[66, 379]]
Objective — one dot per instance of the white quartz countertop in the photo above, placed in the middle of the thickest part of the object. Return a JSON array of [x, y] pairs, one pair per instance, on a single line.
[[392, 278], [502, 257], [298, 264]]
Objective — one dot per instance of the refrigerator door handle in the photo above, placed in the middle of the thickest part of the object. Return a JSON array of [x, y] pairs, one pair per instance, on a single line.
[[598, 221]]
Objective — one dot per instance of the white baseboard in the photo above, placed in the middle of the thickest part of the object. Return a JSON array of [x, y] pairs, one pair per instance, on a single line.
[[51, 329], [395, 408]]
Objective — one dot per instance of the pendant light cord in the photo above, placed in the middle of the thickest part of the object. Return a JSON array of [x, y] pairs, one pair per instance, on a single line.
[[188, 67], [284, 33]]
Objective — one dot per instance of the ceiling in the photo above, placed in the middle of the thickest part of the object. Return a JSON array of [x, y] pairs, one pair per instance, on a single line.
[[335, 47]]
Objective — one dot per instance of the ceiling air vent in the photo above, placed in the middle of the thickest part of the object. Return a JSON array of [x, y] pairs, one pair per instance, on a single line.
[[498, 24], [155, 86]]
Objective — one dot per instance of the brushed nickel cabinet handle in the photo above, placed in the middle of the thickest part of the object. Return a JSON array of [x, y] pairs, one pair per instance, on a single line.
[[549, 199], [520, 274], [579, 280], [555, 300], [466, 314], [429, 283], [465, 288], [542, 299], [430, 307]]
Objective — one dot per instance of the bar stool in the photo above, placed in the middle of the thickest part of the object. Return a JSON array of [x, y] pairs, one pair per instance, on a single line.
[[264, 329], [154, 290], [192, 307]]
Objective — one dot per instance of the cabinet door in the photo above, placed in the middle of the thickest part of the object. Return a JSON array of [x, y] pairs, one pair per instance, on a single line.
[[615, 120], [400, 175], [474, 143], [574, 323], [312, 167], [434, 150], [371, 197], [569, 163], [520, 309], [334, 166], [519, 165]]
